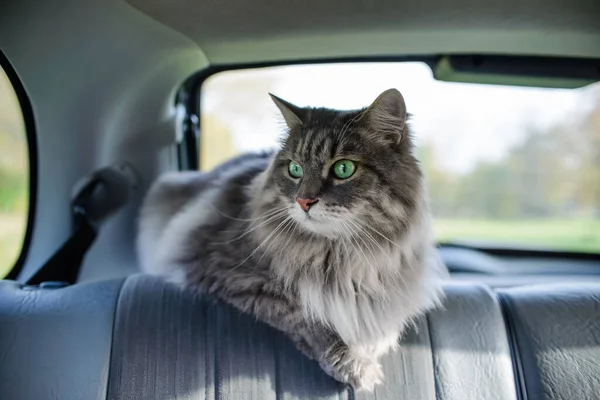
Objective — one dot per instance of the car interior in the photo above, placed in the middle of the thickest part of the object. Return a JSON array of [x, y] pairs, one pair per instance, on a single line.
[[98, 98]]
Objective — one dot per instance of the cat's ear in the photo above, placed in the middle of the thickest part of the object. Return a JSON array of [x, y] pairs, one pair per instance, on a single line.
[[291, 114], [387, 115]]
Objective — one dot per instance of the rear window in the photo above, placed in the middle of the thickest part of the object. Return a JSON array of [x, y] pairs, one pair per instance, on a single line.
[[14, 176], [508, 166]]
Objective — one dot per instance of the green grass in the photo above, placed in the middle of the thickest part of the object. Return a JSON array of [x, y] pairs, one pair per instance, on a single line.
[[567, 235], [12, 231]]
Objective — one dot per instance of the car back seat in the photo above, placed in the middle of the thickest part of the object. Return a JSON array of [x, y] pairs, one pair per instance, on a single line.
[[141, 338], [556, 339]]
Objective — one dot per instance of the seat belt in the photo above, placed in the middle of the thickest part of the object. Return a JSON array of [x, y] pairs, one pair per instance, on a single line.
[[96, 198]]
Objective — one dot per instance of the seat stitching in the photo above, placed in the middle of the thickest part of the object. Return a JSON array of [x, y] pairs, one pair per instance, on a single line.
[[435, 375], [513, 345], [112, 339]]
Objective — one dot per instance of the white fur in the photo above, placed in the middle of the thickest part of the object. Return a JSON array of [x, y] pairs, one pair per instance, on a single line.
[[404, 292], [165, 222]]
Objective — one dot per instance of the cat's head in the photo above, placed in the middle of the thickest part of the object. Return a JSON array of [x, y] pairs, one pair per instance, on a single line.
[[341, 173]]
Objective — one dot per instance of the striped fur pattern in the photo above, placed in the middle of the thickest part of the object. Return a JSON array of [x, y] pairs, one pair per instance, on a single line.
[[342, 280]]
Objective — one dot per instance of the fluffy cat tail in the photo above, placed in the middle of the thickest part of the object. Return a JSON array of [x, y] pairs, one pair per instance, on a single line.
[[168, 195]]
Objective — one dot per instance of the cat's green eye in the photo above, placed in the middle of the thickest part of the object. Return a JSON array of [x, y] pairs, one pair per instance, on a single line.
[[344, 169], [295, 169]]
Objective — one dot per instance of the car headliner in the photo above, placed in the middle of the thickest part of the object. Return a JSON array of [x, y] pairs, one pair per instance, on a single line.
[[233, 31]]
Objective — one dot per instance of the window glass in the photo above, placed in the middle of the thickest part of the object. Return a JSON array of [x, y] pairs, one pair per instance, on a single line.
[[14, 176], [504, 165]]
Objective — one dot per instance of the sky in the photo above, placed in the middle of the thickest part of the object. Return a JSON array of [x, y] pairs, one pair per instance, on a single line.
[[466, 123]]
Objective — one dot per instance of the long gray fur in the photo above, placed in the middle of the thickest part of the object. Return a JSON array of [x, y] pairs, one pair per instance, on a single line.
[[342, 280]]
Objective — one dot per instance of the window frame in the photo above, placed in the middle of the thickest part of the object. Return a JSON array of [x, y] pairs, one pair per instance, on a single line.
[[189, 97], [32, 150]]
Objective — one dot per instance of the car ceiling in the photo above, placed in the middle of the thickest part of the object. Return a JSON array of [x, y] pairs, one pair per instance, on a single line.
[[231, 31]]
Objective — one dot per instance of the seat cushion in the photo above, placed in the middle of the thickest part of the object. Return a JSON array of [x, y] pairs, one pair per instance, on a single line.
[[143, 338], [557, 339], [176, 344], [470, 346], [56, 343]]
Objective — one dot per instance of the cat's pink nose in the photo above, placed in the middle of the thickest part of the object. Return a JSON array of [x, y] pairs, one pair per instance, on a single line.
[[305, 203]]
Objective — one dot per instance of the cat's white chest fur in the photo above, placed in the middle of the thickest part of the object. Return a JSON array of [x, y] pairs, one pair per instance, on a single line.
[[372, 314], [339, 309], [360, 313]]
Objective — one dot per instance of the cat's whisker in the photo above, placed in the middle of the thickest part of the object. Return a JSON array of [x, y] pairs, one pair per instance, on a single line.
[[371, 238], [291, 232], [362, 228], [290, 235], [343, 239], [262, 243], [337, 225], [268, 215], [348, 237], [364, 256], [354, 242], [383, 236], [279, 212], [339, 228], [363, 242], [250, 229], [281, 232], [269, 212], [353, 232], [398, 274]]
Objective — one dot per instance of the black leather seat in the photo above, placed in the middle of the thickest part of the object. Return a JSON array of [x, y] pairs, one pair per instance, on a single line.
[[140, 338]]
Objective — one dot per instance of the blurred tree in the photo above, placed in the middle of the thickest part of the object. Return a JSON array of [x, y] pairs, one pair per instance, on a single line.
[[242, 96], [14, 182], [554, 172], [590, 179], [440, 185]]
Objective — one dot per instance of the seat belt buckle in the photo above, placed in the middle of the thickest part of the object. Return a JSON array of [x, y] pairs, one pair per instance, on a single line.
[[105, 191]]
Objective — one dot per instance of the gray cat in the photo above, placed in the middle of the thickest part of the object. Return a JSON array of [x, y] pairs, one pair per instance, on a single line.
[[327, 240]]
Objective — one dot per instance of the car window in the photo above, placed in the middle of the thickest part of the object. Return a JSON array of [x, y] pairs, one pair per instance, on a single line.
[[14, 176], [509, 166]]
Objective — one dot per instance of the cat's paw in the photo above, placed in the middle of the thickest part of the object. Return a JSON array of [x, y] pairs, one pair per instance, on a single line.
[[363, 374], [368, 375]]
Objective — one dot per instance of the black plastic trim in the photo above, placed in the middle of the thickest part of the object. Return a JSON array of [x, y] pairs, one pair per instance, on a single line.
[[524, 252], [29, 120], [543, 67], [188, 149]]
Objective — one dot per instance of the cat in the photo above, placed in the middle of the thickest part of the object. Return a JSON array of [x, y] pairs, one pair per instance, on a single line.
[[327, 239]]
